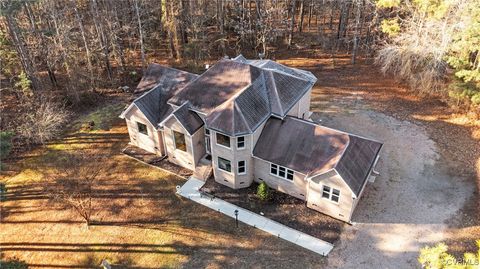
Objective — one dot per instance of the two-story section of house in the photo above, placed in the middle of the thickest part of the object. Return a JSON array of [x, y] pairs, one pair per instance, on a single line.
[[251, 119]]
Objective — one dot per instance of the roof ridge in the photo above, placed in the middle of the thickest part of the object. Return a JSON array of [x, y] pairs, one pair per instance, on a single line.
[[241, 114]]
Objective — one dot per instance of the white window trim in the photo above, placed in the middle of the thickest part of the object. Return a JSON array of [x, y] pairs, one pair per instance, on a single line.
[[175, 143], [138, 129], [286, 172], [216, 142], [330, 194], [219, 168], [245, 166], [244, 142]]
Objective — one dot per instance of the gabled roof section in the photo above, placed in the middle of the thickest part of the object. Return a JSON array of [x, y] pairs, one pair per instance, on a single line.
[[189, 119], [170, 78], [312, 150], [160, 84], [153, 104], [300, 145], [216, 86], [280, 68], [357, 161]]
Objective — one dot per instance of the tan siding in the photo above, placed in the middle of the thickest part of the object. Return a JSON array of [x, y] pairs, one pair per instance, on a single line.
[[341, 210], [180, 157], [301, 107], [304, 105], [151, 142], [198, 143], [297, 187]]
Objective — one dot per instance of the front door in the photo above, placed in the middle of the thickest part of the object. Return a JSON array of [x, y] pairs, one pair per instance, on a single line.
[[207, 145]]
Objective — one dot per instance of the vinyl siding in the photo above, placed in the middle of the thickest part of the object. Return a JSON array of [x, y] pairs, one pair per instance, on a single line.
[[182, 158], [301, 107], [341, 210], [296, 188], [152, 142]]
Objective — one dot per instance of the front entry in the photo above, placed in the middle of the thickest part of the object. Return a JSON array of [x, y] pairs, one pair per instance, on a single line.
[[207, 145]]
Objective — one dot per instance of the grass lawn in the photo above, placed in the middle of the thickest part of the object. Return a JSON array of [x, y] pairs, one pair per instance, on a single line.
[[140, 222]]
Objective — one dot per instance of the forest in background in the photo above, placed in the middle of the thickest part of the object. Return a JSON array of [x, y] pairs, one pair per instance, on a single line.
[[59, 55]]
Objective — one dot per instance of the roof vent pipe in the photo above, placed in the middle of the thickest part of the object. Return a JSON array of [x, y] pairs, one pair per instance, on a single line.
[[261, 55], [207, 66]]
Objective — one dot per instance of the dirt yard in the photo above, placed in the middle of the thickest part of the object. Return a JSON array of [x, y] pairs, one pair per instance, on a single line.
[[139, 221], [429, 168], [426, 192], [282, 208]]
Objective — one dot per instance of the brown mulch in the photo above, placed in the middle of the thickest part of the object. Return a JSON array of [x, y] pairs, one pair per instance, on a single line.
[[282, 208], [155, 160]]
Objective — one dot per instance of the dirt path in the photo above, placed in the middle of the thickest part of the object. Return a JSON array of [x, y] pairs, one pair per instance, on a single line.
[[408, 204]]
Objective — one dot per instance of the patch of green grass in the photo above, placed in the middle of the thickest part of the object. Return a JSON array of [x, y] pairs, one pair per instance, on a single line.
[[103, 118]]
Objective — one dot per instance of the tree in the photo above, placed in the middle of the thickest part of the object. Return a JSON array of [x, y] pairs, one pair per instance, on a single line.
[[75, 184], [8, 9]]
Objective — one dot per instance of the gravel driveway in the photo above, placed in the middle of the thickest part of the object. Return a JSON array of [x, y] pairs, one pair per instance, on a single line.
[[407, 205]]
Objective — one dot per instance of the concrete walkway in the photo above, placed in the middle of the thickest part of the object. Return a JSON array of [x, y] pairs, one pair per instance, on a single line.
[[191, 188]]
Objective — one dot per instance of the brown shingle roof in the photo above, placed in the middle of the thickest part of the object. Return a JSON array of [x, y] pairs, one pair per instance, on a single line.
[[217, 85], [300, 145], [169, 78], [189, 119], [312, 149]]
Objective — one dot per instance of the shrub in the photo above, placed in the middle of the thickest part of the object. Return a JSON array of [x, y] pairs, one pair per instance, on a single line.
[[437, 257], [5, 144], [263, 192], [42, 122], [13, 264]]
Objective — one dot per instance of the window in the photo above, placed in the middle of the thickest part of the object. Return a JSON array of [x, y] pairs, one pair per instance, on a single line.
[[207, 132], [273, 169], [179, 141], [241, 142], [224, 164], [331, 194], [241, 168], [142, 128], [223, 140], [281, 171]]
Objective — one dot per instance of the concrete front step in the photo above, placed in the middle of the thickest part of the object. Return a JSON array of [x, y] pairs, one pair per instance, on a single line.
[[203, 171]]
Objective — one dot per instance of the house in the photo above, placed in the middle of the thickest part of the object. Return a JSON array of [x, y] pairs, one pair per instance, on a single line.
[[249, 120]]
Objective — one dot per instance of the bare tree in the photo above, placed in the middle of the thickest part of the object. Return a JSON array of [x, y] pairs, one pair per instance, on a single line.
[[75, 184]]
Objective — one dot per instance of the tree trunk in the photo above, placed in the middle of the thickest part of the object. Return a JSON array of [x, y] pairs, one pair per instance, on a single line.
[[44, 49], [357, 25], [22, 51], [292, 24], [221, 25], [103, 38], [140, 31], [85, 44], [302, 13], [310, 10]]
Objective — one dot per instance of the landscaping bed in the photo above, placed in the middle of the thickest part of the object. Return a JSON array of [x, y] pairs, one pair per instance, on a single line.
[[155, 160], [281, 207]]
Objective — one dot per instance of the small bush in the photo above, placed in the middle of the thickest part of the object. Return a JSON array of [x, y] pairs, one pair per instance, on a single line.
[[437, 257], [5, 144], [263, 192], [42, 122], [13, 264]]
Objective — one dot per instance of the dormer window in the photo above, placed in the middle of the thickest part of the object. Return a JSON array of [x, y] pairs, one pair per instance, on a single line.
[[223, 140]]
